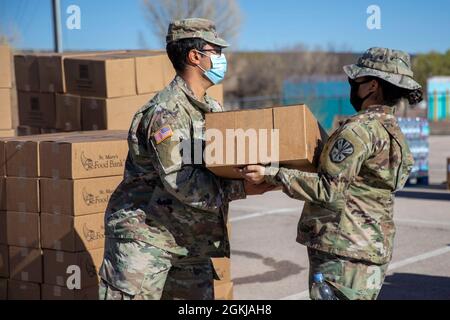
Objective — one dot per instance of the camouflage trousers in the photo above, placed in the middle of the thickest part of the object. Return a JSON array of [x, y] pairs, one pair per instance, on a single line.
[[350, 279], [135, 270]]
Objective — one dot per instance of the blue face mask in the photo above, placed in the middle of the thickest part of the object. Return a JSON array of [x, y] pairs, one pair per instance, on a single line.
[[219, 67]]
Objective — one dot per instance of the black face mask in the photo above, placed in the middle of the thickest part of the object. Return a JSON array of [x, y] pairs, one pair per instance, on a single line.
[[355, 99]]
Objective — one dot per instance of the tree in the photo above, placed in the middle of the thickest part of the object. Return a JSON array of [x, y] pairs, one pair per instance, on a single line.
[[225, 13], [431, 64]]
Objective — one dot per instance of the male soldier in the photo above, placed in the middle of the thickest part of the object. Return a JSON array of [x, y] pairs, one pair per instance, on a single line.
[[347, 221], [168, 216]]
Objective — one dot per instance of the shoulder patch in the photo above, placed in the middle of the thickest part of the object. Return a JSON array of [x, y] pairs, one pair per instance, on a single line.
[[341, 150], [163, 134]]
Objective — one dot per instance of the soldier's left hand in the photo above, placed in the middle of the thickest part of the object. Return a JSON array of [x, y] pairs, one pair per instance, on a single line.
[[253, 173]]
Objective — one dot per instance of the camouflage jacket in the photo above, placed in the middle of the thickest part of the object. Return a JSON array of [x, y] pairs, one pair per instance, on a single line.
[[349, 202], [167, 198]]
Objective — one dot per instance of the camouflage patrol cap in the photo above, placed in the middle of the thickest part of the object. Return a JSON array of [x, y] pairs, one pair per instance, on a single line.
[[393, 66], [194, 28]]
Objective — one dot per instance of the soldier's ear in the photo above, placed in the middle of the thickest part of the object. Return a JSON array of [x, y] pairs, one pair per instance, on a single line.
[[193, 57]]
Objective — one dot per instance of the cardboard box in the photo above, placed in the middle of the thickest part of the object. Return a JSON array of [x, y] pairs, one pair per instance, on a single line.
[[4, 261], [222, 266], [84, 157], [77, 197], [5, 109], [223, 290], [27, 72], [28, 131], [22, 194], [2, 194], [57, 263], [3, 289], [300, 139], [3, 228], [20, 290], [25, 264], [111, 114], [216, 92], [51, 69], [37, 109], [22, 153], [169, 71], [73, 234], [5, 67], [7, 133], [23, 229], [51, 292], [105, 76], [68, 112], [150, 72], [22, 156]]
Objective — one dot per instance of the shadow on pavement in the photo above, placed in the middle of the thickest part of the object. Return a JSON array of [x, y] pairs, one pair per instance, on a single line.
[[424, 195], [408, 286], [280, 269]]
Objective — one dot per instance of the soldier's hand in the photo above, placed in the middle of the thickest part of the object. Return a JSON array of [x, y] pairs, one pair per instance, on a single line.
[[253, 173], [253, 189]]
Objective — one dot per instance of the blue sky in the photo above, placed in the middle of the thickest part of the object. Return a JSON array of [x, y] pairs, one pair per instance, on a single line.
[[411, 25]]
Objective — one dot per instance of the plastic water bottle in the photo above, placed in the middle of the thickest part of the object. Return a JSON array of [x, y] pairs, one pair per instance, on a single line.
[[320, 290]]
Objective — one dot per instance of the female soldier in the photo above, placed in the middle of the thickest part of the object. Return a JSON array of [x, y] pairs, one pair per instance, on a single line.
[[347, 221]]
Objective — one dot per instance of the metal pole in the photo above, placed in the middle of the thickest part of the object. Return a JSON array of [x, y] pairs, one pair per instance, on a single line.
[[57, 25]]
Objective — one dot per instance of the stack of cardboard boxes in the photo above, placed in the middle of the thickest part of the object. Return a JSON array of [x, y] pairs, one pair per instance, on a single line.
[[88, 90], [54, 197], [54, 189], [6, 94]]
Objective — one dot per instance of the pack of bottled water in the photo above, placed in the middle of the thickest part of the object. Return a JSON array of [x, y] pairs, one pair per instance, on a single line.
[[417, 132]]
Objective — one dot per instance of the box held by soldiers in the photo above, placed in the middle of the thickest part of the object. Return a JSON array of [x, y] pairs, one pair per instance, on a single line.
[[84, 157], [21, 290], [5, 67], [23, 229], [22, 194], [289, 135], [105, 76], [57, 262], [77, 197], [4, 261], [37, 109], [52, 292], [25, 264], [111, 114], [68, 112], [5, 109], [73, 234]]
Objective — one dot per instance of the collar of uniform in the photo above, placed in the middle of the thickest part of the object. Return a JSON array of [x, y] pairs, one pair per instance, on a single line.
[[379, 109], [204, 107]]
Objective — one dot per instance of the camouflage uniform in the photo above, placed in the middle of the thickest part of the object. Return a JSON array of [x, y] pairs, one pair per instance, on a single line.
[[168, 216], [347, 221]]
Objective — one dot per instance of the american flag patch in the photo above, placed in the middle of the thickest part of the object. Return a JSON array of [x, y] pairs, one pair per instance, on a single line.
[[163, 134]]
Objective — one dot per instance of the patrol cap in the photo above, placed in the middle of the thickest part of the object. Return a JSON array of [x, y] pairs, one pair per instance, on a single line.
[[194, 28], [391, 65]]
